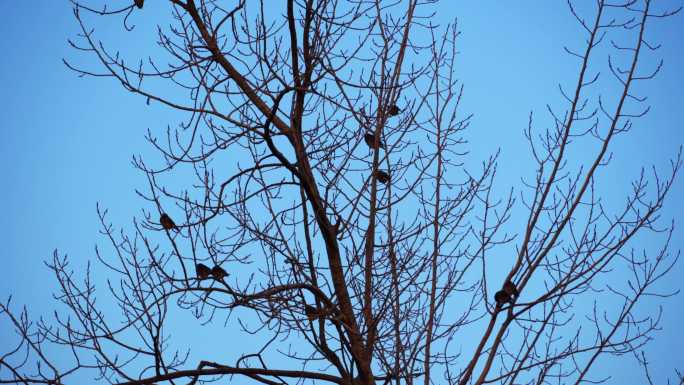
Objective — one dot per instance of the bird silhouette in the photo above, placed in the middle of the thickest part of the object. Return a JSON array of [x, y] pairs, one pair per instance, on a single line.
[[167, 223], [393, 110], [218, 273], [203, 271], [382, 176], [139, 3], [311, 312], [501, 297], [369, 138], [510, 289]]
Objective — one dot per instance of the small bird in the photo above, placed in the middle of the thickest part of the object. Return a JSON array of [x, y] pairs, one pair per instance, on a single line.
[[393, 110], [311, 312], [218, 273], [369, 138], [501, 297], [167, 223], [382, 176], [203, 271], [139, 3], [510, 289]]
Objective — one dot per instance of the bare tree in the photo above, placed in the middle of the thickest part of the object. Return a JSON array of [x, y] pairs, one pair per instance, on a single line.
[[316, 201]]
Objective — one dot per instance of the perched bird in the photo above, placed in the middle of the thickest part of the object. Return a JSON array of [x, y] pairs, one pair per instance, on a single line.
[[139, 3], [382, 176], [501, 297], [218, 273], [203, 271], [167, 223], [311, 312], [510, 289], [369, 138], [393, 110]]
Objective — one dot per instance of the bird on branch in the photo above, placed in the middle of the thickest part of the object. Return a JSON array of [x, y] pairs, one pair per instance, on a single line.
[[139, 3], [382, 176], [203, 271], [510, 289], [218, 273], [167, 223], [393, 110], [501, 297], [369, 138], [311, 312]]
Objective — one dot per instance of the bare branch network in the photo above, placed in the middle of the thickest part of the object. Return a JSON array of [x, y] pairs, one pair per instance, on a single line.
[[316, 206]]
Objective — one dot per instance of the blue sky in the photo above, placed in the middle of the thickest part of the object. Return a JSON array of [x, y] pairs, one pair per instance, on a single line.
[[67, 142]]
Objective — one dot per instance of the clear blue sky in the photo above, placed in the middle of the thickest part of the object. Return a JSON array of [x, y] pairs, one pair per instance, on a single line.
[[67, 142]]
